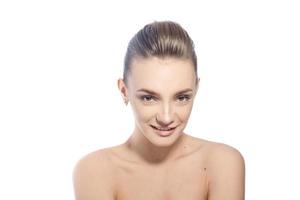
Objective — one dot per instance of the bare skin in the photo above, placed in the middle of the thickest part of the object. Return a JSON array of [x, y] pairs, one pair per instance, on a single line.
[[151, 167]]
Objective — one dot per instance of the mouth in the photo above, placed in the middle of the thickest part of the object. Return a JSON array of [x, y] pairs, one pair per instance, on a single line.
[[164, 131]]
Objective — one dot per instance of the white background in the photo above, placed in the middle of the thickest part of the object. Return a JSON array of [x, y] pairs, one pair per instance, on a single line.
[[59, 65]]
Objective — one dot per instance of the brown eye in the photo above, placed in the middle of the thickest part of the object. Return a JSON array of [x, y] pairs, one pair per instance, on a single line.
[[147, 98], [184, 98]]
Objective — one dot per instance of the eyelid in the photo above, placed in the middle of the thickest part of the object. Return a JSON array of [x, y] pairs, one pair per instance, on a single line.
[[184, 95]]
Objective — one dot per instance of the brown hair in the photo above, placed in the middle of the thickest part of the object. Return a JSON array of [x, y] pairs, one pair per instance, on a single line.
[[160, 39]]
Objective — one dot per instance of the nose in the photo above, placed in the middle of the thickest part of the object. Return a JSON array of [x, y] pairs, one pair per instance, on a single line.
[[165, 117]]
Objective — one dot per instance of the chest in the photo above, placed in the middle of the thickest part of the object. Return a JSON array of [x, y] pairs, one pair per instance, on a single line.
[[174, 182]]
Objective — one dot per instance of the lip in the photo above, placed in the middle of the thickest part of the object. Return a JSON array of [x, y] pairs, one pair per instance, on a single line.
[[164, 133]]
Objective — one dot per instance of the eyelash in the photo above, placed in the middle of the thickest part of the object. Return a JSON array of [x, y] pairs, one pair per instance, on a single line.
[[187, 97]]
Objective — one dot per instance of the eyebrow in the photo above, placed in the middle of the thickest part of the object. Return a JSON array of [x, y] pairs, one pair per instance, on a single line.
[[154, 93]]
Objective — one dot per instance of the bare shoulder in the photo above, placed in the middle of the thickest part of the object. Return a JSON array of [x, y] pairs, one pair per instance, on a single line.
[[224, 153], [226, 172], [93, 177], [93, 161]]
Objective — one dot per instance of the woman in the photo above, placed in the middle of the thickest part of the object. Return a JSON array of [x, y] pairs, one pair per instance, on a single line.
[[159, 161]]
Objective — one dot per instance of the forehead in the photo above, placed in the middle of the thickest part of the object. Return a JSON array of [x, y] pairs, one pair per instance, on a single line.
[[162, 75]]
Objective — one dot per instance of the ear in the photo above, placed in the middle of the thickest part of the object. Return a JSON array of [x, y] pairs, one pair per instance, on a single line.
[[122, 87], [197, 84]]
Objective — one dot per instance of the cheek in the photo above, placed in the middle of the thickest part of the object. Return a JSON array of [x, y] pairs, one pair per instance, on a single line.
[[143, 113], [184, 113]]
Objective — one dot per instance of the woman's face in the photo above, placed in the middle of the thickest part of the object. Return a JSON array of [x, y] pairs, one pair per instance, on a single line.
[[161, 94]]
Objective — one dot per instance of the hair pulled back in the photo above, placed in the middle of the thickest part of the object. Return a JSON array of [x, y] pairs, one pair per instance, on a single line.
[[160, 39]]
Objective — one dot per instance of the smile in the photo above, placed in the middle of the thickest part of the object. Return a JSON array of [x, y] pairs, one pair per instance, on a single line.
[[164, 132], [163, 129]]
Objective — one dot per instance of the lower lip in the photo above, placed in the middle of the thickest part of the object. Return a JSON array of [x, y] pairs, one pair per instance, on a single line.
[[164, 133]]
